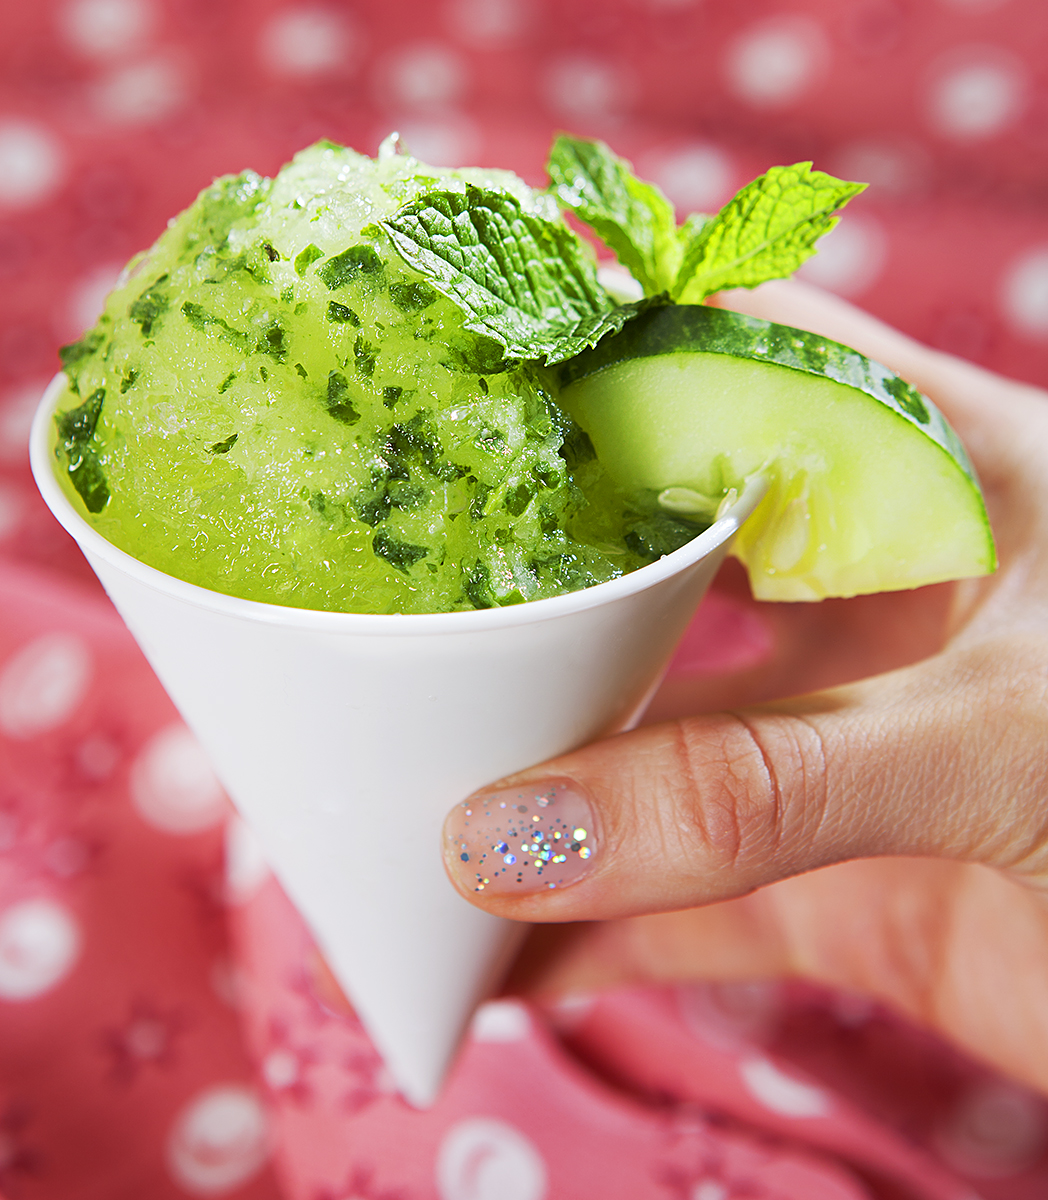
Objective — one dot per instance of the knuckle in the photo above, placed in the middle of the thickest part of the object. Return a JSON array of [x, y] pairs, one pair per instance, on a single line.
[[753, 787], [1006, 714]]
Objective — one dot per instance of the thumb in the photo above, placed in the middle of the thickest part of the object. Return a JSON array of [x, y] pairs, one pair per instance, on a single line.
[[942, 758]]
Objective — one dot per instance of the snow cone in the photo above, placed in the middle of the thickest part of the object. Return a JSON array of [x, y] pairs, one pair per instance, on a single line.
[[369, 558]]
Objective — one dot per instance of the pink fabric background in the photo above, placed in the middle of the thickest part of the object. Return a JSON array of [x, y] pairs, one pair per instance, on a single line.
[[165, 1027]]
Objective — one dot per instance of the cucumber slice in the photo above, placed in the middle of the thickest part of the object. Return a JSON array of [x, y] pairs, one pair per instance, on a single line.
[[869, 489]]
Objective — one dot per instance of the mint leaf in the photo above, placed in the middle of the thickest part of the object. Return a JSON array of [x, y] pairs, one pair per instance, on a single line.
[[633, 218], [520, 279], [765, 232], [690, 232], [587, 333]]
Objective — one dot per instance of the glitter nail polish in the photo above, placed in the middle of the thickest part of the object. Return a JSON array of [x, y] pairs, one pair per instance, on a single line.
[[522, 839]]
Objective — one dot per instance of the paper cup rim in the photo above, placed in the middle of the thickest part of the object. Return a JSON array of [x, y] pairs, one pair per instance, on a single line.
[[367, 624]]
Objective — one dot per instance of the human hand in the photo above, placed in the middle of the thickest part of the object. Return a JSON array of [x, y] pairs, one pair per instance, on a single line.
[[939, 756]]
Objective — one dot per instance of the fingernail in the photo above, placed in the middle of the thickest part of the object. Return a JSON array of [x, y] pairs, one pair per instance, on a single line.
[[521, 839]]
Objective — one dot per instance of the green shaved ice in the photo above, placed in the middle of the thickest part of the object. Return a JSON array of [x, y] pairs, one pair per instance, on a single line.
[[274, 405]]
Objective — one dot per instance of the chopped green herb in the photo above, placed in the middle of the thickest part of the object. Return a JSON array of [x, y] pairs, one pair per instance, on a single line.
[[201, 319], [89, 480], [345, 267], [342, 314], [271, 253], [274, 342], [226, 383], [76, 428], [405, 496], [390, 395], [478, 505], [415, 441], [225, 446], [401, 555], [338, 404], [225, 202], [305, 257], [576, 447], [150, 306], [660, 534], [301, 370], [412, 297], [364, 354], [478, 587], [546, 476], [519, 498], [373, 508], [77, 425], [128, 380], [74, 354]]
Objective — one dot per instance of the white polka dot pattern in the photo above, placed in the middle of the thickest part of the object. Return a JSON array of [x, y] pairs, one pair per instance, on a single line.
[[487, 23], [307, 41], [39, 944], [173, 786], [996, 1131], [973, 6], [781, 1093], [218, 1141], [141, 93], [424, 76], [16, 418], [570, 1011], [280, 1069], [975, 93], [450, 140], [88, 296], [890, 167], [1024, 294], [484, 1159], [730, 1016], [850, 257], [107, 28], [12, 507], [501, 1021], [246, 866], [43, 684], [696, 178], [32, 163], [775, 62], [710, 1189], [582, 88]]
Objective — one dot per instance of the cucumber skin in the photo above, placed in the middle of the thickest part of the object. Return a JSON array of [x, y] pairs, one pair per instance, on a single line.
[[700, 328]]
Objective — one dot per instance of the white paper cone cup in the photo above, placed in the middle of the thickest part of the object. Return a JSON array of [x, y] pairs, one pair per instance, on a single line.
[[344, 739]]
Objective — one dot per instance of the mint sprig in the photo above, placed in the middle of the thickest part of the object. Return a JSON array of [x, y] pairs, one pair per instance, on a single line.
[[525, 283], [766, 231], [631, 217], [521, 279]]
